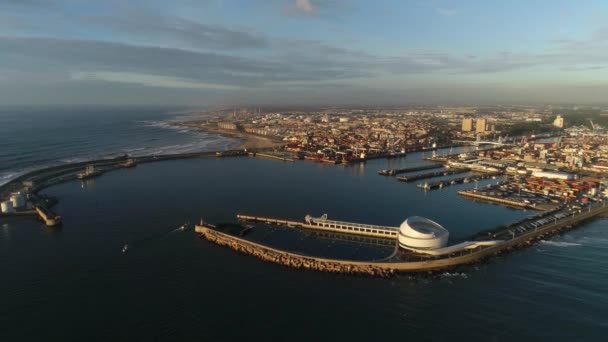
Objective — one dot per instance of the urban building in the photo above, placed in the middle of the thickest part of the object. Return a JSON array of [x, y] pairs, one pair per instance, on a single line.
[[467, 124], [480, 125], [558, 122]]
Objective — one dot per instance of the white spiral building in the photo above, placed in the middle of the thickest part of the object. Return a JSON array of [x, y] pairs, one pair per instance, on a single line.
[[419, 233]]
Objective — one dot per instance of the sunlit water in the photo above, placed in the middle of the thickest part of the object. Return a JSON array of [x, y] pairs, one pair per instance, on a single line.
[[75, 284]]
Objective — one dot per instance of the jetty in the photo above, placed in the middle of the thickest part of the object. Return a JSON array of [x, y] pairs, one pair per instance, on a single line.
[[460, 180], [516, 236], [272, 156], [392, 172], [322, 223], [447, 172]]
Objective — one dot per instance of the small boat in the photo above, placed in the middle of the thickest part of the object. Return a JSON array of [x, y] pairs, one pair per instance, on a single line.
[[89, 172], [129, 163], [183, 226], [125, 248]]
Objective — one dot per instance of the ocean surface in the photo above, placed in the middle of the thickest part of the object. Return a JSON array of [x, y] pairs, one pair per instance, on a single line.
[[75, 284], [31, 138]]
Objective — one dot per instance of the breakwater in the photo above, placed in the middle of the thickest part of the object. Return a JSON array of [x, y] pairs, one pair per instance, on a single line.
[[390, 267], [289, 259], [38, 179]]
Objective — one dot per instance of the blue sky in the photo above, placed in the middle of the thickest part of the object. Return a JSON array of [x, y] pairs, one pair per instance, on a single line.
[[212, 52]]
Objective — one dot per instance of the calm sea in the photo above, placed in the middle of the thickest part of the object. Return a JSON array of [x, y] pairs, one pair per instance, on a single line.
[[31, 138], [75, 284]]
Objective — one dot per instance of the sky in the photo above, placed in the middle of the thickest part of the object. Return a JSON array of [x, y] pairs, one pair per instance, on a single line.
[[303, 52]]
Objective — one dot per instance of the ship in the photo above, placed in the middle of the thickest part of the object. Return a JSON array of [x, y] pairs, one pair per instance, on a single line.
[[89, 172], [129, 163]]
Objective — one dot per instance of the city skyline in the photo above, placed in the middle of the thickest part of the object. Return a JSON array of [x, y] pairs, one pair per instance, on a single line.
[[302, 52]]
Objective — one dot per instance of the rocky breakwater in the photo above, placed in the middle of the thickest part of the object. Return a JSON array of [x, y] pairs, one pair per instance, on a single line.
[[293, 260]]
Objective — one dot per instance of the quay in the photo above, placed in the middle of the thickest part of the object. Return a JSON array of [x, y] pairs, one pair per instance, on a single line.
[[507, 202], [392, 172], [322, 223], [460, 180], [447, 172], [470, 254], [437, 159], [272, 156]]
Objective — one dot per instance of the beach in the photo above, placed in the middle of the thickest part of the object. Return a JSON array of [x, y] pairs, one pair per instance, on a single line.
[[249, 141]]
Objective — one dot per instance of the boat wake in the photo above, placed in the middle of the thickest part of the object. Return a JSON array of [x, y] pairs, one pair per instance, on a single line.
[[559, 243]]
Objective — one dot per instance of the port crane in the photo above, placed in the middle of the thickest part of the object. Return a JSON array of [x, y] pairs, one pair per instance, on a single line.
[[593, 126]]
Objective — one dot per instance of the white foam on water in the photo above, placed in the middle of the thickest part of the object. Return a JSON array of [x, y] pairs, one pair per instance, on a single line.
[[559, 243], [454, 275]]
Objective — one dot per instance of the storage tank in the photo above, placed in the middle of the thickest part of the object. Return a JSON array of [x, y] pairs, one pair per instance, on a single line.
[[421, 233], [7, 207], [18, 200]]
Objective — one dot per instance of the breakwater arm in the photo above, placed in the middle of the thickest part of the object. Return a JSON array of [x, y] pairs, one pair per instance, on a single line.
[[388, 268]]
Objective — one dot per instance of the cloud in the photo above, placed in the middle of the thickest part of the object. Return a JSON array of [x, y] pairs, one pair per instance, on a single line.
[[153, 26], [147, 80], [104, 58], [304, 6], [318, 8]]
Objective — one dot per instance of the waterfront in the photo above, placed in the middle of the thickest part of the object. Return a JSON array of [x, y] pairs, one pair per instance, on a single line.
[[173, 285]]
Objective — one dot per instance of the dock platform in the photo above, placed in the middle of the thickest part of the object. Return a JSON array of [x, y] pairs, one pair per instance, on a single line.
[[323, 223], [392, 172], [445, 183], [446, 172]]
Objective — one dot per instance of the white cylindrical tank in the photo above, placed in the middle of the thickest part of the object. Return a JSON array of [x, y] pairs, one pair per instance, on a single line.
[[18, 200], [421, 233], [7, 207]]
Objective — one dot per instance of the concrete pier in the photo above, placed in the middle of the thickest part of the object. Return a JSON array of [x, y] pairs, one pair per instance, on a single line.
[[446, 172], [497, 200], [271, 156], [388, 267], [393, 172], [460, 180], [329, 225]]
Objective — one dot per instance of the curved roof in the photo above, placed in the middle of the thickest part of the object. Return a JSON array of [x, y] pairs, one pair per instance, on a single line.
[[422, 227]]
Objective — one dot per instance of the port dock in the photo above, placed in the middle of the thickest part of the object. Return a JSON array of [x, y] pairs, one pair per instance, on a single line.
[[272, 156], [322, 223], [447, 172], [393, 172], [460, 180]]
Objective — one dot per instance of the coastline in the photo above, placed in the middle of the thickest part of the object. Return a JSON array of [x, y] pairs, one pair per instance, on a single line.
[[248, 140]]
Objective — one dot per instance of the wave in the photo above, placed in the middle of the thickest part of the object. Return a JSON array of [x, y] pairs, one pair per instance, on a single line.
[[560, 243], [454, 275], [204, 144], [195, 141]]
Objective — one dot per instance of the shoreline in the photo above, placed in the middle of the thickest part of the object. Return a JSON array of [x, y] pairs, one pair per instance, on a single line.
[[247, 140]]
